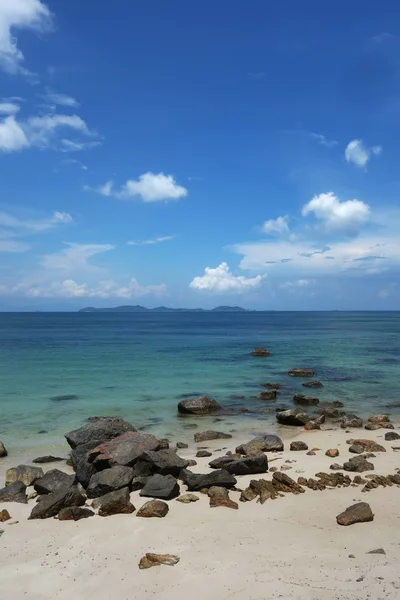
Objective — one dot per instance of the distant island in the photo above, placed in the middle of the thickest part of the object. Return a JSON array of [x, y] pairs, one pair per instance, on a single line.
[[161, 309]]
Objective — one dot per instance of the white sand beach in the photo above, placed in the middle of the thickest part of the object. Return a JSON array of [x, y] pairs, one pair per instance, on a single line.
[[290, 547]]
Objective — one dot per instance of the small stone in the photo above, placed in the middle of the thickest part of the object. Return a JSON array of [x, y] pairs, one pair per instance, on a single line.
[[4, 516], [273, 469], [311, 453], [351, 556], [357, 513], [47, 459], [219, 496], [360, 579], [203, 454], [260, 352], [191, 462], [188, 498], [302, 481], [164, 444], [377, 551], [285, 468], [298, 446], [182, 445], [356, 449], [155, 560], [332, 453], [153, 508]]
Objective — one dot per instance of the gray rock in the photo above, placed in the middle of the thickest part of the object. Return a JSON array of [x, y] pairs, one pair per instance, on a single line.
[[203, 454], [295, 417], [24, 473], [114, 503], [109, 480], [3, 450], [270, 395], [336, 467], [298, 446], [51, 504], [221, 461], [350, 421], [356, 449], [305, 372], [47, 459], [196, 482], [377, 551], [312, 384], [305, 400], [53, 481], [99, 430], [203, 405], [391, 436], [138, 482], [74, 513], [164, 487], [153, 508], [164, 462], [261, 443], [123, 450], [248, 466], [181, 445], [358, 464], [205, 436], [15, 492]]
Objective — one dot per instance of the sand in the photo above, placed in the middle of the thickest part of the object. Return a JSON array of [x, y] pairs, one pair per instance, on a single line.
[[289, 548]]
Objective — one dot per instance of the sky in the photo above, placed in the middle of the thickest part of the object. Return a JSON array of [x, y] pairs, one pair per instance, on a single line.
[[193, 154]]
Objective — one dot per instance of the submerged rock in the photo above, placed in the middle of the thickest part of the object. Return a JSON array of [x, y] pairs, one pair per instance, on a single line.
[[203, 405], [260, 352], [99, 430], [270, 395], [295, 417], [357, 513], [124, 450], [155, 560], [51, 504], [219, 496], [153, 508], [74, 513], [53, 481], [205, 436], [15, 492], [312, 384], [272, 386], [261, 443], [64, 398], [298, 372], [114, 503], [305, 400], [164, 487]]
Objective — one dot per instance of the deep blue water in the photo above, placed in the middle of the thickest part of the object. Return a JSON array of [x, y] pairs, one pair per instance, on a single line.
[[140, 365]]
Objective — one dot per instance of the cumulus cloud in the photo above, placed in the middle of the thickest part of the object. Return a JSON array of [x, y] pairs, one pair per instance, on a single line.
[[157, 240], [323, 141], [150, 187], [9, 108], [221, 279], [359, 154], [279, 225], [345, 217], [12, 136], [19, 15]]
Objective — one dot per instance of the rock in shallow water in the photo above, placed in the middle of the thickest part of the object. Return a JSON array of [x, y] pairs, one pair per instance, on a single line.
[[357, 513], [294, 417], [312, 384], [47, 459], [203, 405], [103, 428], [270, 395], [298, 372], [305, 400], [260, 352], [205, 436], [24, 473]]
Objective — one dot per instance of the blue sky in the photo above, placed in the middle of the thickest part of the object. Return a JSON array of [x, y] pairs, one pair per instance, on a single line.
[[196, 154]]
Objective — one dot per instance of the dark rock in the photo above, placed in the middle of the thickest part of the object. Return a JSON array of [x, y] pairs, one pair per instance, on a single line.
[[219, 496], [357, 513], [3, 450], [153, 508], [368, 445], [164, 462], [262, 443], [164, 444], [98, 431], [305, 400], [155, 560], [53, 481], [203, 405], [74, 513], [4, 515], [181, 445], [164, 487], [24, 473], [123, 450], [138, 482], [114, 503], [260, 352], [377, 551], [221, 461], [330, 412], [298, 446], [284, 483], [351, 420], [196, 482], [356, 449], [336, 467], [311, 425], [205, 436], [390, 436], [358, 464], [15, 492], [47, 459], [301, 372], [295, 417], [312, 384], [109, 480], [270, 395], [64, 398], [272, 386], [51, 504], [191, 462], [250, 465], [203, 454]]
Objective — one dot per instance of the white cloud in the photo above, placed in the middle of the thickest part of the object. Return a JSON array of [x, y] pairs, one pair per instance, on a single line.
[[297, 284], [72, 146], [323, 141], [359, 154], [221, 279], [75, 257], [279, 225], [9, 108], [12, 136], [15, 15], [345, 217], [17, 226], [150, 187], [60, 99], [157, 240], [13, 246]]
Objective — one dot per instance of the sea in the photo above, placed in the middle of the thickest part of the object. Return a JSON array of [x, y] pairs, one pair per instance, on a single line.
[[59, 369]]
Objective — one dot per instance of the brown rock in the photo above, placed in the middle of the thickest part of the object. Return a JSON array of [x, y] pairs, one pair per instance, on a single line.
[[219, 496], [4, 516], [311, 453], [273, 469], [205, 436], [311, 425], [368, 445], [115, 503], [302, 481], [284, 483], [188, 498], [260, 488], [298, 446], [357, 513], [155, 560], [74, 513], [358, 480], [23, 473], [334, 479], [336, 467], [332, 453], [379, 419], [153, 508]]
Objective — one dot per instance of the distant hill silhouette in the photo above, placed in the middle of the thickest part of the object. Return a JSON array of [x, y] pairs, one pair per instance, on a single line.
[[161, 309]]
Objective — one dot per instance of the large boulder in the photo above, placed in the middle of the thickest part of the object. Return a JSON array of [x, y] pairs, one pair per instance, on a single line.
[[123, 450], [51, 504], [24, 473], [109, 480], [203, 405], [3, 450], [358, 464], [53, 481], [164, 462], [295, 417], [114, 503], [261, 443], [305, 400], [357, 513], [98, 430], [248, 466], [391, 436], [15, 492], [205, 436], [74, 513], [196, 481], [164, 487], [153, 508], [298, 372], [350, 420]]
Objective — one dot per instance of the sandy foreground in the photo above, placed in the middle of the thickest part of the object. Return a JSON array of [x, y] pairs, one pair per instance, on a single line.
[[287, 548]]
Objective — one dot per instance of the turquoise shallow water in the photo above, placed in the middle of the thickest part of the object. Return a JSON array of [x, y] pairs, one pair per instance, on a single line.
[[140, 365]]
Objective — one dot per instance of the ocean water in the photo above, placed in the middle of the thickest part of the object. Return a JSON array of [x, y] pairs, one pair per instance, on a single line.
[[58, 369]]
